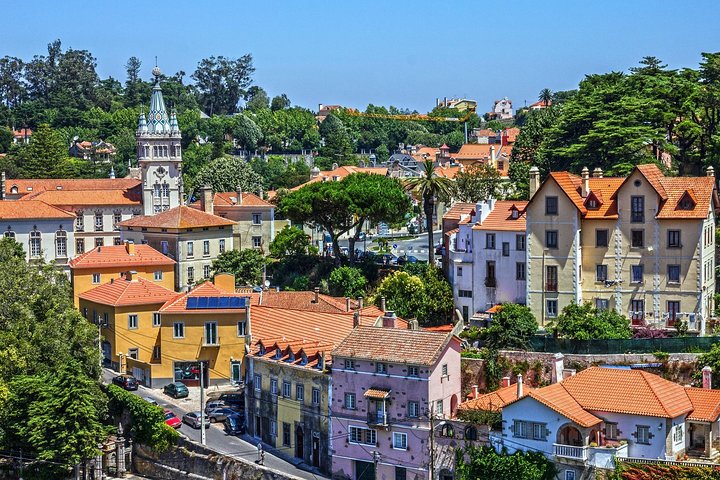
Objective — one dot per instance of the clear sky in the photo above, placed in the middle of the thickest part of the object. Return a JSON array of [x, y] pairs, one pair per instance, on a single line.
[[393, 52]]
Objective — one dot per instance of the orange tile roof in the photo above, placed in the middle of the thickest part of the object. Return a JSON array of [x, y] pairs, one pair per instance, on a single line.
[[449, 171], [376, 393], [705, 402], [654, 176], [475, 151], [429, 152], [314, 350], [178, 304], [701, 190], [118, 256], [495, 401], [88, 197], [440, 328], [394, 345], [304, 300], [342, 172], [121, 292], [176, 218], [512, 134], [22, 132], [31, 209], [485, 132], [557, 398], [27, 185], [604, 190], [500, 218], [458, 210], [229, 199]]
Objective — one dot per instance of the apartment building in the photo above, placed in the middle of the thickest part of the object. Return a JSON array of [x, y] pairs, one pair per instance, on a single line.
[[643, 245]]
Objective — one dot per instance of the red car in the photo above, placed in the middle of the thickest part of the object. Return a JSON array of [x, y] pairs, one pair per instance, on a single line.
[[172, 420]]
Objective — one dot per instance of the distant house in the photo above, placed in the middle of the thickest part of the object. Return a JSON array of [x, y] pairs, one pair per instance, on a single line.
[[497, 156], [22, 135], [540, 104], [502, 110], [461, 104], [98, 152]]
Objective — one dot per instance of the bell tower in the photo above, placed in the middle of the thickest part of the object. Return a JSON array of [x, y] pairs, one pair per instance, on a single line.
[[159, 155]]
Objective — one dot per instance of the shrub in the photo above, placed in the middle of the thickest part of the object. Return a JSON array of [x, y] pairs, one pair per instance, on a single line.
[[347, 282], [585, 322], [511, 327]]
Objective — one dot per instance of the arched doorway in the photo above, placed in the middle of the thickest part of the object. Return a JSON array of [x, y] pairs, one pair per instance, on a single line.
[[570, 435], [453, 405], [299, 440]]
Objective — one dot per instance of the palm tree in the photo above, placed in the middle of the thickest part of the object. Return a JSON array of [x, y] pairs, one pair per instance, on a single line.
[[545, 96], [430, 187]]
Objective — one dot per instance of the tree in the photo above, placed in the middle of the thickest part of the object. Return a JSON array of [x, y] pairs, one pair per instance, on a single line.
[[280, 102], [484, 462], [526, 151], [382, 153], [257, 99], [246, 132], [6, 138], [338, 144], [430, 187], [545, 97], [479, 182], [290, 241], [226, 174], [710, 359], [585, 322], [512, 326], [347, 282], [247, 265], [13, 88], [440, 302], [45, 157], [222, 82], [404, 294]]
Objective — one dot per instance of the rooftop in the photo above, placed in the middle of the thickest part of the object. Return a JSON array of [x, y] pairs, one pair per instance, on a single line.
[[28, 185], [305, 300], [177, 218], [87, 197], [179, 304], [501, 217], [495, 401], [32, 209], [229, 199], [122, 292], [128, 255]]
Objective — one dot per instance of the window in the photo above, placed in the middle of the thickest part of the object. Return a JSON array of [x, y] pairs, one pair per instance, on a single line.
[[551, 238], [35, 244], [538, 431], [520, 429], [637, 310], [164, 247], [350, 401], [273, 386], [611, 431], [400, 473], [413, 409], [61, 244], [490, 280], [600, 273], [349, 364], [117, 218], [444, 370], [551, 307], [257, 241], [673, 274], [465, 293], [221, 245], [98, 222], [99, 241], [211, 335], [190, 274], [569, 474], [636, 274], [520, 272], [315, 396], [79, 246], [286, 434], [300, 392], [637, 238], [156, 319], [490, 241], [117, 241], [506, 249], [190, 249], [241, 328], [642, 434], [158, 275], [637, 209], [361, 435], [551, 278], [132, 321], [133, 353], [257, 382], [381, 367], [206, 271], [286, 389], [165, 190], [674, 239], [206, 247], [439, 407], [673, 308], [413, 371], [156, 352], [471, 433], [551, 205], [256, 218], [95, 278], [601, 237], [178, 329], [79, 222], [520, 243], [399, 441], [602, 303], [459, 271]]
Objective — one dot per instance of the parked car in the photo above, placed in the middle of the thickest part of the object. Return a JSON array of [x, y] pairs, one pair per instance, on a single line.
[[128, 382], [193, 419], [235, 424], [176, 390], [386, 259], [234, 400], [215, 404], [407, 259], [220, 414], [150, 400], [172, 419]]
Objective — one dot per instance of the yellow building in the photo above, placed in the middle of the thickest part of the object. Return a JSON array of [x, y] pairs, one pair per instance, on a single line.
[[101, 264]]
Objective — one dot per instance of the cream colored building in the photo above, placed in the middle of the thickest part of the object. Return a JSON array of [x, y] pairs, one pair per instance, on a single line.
[[643, 245]]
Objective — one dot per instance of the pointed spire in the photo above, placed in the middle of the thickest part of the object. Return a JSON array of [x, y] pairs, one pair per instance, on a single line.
[[158, 122], [174, 127], [142, 123]]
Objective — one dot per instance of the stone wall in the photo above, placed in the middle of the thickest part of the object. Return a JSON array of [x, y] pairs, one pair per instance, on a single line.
[[192, 461]]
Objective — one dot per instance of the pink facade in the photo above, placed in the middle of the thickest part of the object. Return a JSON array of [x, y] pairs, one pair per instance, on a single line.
[[384, 412]]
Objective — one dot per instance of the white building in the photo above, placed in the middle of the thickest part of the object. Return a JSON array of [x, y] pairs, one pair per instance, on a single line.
[[487, 256]]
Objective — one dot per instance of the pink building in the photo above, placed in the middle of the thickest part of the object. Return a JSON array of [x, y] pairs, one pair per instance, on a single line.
[[388, 386]]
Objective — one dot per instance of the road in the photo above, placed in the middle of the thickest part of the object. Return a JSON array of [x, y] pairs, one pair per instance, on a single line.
[[416, 246], [237, 447]]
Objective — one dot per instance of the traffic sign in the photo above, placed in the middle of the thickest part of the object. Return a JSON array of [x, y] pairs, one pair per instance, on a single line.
[[394, 245]]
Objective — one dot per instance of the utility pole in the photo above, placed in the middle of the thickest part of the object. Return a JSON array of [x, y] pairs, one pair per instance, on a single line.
[[376, 460], [432, 441], [202, 403]]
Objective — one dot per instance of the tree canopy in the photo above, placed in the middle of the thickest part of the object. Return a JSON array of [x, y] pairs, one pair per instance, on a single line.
[[511, 328], [585, 322], [484, 462], [290, 241], [347, 282], [226, 174], [247, 265]]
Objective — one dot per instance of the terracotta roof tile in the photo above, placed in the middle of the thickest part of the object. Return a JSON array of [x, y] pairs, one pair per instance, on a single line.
[[342, 172], [87, 197], [229, 199], [440, 328], [27, 185], [122, 292], [604, 190], [559, 399], [305, 300], [178, 304], [178, 217], [700, 189], [393, 345], [119, 256], [500, 218], [376, 393], [31, 209], [459, 209], [495, 401], [654, 176], [705, 402]]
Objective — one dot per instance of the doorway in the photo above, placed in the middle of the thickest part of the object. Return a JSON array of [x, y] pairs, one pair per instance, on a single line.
[[299, 447], [316, 450], [364, 470]]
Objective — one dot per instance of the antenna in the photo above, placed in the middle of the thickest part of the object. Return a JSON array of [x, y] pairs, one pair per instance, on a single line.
[[156, 60]]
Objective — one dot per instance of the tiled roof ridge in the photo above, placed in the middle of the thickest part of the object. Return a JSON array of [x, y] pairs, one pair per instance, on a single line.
[[655, 394], [537, 395], [118, 289]]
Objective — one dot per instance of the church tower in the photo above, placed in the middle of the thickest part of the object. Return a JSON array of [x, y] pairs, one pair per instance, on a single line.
[[159, 155]]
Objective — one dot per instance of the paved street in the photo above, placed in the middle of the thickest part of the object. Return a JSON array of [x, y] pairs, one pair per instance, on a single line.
[[416, 246], [238, 447]]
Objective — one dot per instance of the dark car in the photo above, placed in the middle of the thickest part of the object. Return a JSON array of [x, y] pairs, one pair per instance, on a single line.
[[193, 419], [234, 400], [220, 414], [176, 390], [407, 259], [386, 259], [128, 382], [235, 424]]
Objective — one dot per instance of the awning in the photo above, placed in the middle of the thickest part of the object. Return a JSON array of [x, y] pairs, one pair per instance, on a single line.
[[377, 393]]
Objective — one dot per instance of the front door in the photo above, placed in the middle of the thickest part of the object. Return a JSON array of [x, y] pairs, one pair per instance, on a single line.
[[299, 447], [316, 451], [364, 470]]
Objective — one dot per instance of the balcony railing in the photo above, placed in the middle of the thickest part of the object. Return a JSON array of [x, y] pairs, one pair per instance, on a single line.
[[569, 451], [213, 342], [551, 286], [378, 418]]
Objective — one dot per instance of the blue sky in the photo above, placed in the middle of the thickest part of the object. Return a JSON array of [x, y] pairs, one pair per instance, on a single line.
[[400, 52]]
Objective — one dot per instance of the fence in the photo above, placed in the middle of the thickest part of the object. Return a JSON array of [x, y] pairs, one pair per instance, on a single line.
[[635, 345]]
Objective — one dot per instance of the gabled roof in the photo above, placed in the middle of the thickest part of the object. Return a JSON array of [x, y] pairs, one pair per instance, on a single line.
[[557, 398], [705, 402], [120, 256], [458, 210], [31, 210], [305, 301], [500, 218], [394, 345], [176, 218], [701, 190], [495, 401], [121, 292], [229, 199], [178, 304]]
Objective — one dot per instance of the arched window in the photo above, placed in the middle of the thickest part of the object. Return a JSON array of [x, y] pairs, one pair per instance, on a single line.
[[35, 244], [156, 190], [165, 190], [79, 221], [471, 433], [446, 430], [61, 244], [9, 234], [14, 189]]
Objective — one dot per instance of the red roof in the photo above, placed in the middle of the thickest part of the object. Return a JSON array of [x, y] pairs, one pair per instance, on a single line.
[[32, 209], [705, 402], [88, 197], [342, 172], [501, 217], [229, 199], [495, 401], [206, 289], [121, 292], [458, 210], [28, 185], [176, 218], [119, 256], [305, 301]]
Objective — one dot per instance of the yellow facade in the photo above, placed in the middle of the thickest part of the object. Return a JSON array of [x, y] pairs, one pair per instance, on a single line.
[[88, 278]]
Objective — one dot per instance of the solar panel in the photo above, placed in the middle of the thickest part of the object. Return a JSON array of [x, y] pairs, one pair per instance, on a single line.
[[192, 303], [210, 303]]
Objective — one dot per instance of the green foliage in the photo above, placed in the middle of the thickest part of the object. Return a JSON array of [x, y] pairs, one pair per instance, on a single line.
[[280, 102], [711, 359], [290, 241], [661, 356], [46, 156], [338, 144], [221, 83], [478, 182], [277, 173], [147, 424], [585, 322], [511, 327], [226, 174], [247, 265], [659, 471], [6, 138], [484, 462], [246, 132], [480, 417], [427, 298], [257, 99], [347, 282]]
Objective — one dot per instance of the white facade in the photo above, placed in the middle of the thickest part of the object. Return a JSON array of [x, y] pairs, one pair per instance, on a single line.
[[46, 239]]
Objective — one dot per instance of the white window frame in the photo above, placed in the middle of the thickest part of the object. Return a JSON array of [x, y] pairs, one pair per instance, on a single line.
[[158, 275], [381, 368], [210, 333], [413, 409], [273, 386], [35, 244], [133, 321], [399, 441], [257, 382], [156, 322], [96, 277], [61, 250], [178, 329], [206, 248], [257, 218], [413, 371], [221, 245], [242, 328], [257, 241], [190, 250], [315, 396], [286, 389], [299, 392], [350, 401]]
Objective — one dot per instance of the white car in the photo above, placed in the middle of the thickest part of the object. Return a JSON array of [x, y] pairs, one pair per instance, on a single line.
[[150, 400]]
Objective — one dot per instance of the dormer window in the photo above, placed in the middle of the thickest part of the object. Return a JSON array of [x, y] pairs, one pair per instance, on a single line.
[[291, 356], [592, 202], [687, 202], [262, 349], [278, 354], [303, 359], [14, 189], [514, 212]]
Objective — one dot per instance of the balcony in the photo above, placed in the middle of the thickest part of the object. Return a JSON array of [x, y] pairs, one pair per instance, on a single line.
[[377, 419], [571, 452]]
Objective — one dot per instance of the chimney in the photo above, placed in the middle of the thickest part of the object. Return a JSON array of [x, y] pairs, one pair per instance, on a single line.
[[238, 194], [347, 304], [597, 173], [360, 303], [475, 392], [129, 275], [585, 190], [505, 381], [519, 386], [317, 295], [356, 319], [260, 193], [492, 155], [413, 324], [206, 200], [558, 367], [389, 319], [534, 180], [382, 303], [130, 247], [707, 376], [710, 173]]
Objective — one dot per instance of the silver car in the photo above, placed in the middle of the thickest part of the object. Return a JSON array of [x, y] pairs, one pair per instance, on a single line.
[[215, 404], [193, 419], [220, 414]]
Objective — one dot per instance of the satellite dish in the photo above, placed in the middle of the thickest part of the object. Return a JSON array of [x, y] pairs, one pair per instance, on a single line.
[[267, 283]]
